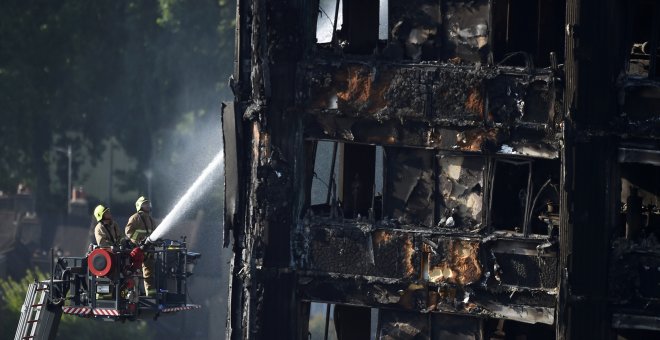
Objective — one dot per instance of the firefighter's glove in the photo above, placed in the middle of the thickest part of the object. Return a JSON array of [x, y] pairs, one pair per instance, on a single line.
[[137, 257]]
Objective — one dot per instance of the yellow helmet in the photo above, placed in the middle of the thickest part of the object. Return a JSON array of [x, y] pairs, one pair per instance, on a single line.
[[139, 202], [99, 211]]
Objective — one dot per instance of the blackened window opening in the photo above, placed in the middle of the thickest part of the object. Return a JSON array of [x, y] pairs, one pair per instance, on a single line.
[[415, 30], [352, 322], [525, 32], [640, 190], [379, 174], [409, 185], [644, 21], [324, 178], [358, 166], [510, 194], [543, 216], [321, 185], [359, 32], [344, 179], [466, 27], [493, 328]]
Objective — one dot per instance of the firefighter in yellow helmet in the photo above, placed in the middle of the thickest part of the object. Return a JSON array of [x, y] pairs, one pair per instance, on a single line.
[[106, 231], [138, 228]]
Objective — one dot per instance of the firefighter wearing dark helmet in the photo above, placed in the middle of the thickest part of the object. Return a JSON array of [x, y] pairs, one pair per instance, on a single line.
[[106, 231], [138, 228]]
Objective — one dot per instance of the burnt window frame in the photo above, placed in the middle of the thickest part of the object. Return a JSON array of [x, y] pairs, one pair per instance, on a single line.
[[530, 59], [330, 183], [328, 316], [491, 181], [434, 156], [351, 36], [531, 197], [379, 210], [336, 186], [633, 7], [634, 158]]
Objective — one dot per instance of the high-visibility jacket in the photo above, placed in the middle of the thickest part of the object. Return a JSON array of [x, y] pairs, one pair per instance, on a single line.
[[139, 226], [108, 234]]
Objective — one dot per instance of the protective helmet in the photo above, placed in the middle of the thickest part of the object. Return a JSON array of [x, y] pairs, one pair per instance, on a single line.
[[139, 202], [99, 211]]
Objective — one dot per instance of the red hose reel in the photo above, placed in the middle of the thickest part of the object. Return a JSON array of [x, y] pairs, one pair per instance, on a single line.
[[99, 262]]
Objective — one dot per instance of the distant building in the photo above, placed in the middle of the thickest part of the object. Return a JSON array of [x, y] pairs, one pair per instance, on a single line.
[[26, 239]]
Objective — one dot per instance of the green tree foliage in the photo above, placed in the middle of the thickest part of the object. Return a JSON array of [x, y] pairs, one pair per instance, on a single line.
[[80, 72], [12, 295], [76, 328]]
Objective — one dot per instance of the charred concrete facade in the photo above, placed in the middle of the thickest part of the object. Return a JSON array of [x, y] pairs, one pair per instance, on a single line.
[[483, 169]]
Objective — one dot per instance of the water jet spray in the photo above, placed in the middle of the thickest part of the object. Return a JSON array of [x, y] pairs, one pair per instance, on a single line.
[[188, 200]]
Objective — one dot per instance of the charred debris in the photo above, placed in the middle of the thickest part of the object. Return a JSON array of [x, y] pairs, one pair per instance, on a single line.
[[484, 169]]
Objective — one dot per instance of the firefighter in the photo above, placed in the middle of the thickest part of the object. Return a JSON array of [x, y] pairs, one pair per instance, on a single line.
[[138, 228], [106, 232]]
